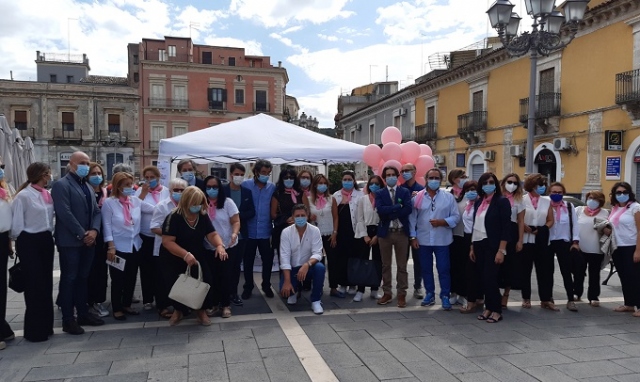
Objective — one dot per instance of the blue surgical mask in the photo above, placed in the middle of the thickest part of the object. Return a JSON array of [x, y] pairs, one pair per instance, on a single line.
[[263, 178], [374, 188], [347, 184], [288, 183], [392, 181], [1, 174], [153, 183], [304, 183], [406, 175], [555, 197], [322, 188], [176, 196], [128, 191], [622, 198], [212, 192], [82, 170], [461, 182], [489, 188], [195, 209], [433, 184], [188, 176], [301, 221], [471, 195], [95, 180], [541, 190], [593, 204]]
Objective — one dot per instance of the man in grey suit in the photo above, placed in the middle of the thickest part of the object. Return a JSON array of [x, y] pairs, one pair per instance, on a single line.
[[78, 223]]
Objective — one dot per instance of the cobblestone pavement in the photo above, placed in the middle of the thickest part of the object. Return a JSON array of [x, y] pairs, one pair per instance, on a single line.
[[266, 340]]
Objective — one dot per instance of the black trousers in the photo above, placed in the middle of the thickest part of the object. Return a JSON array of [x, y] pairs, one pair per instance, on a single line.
[[458, 259], [237, 261], [5, 329], [36, 255], [346, 246], [367, 252], [147, 269], [472, 289], [571, 267], [506, 275], [593, 262], [629, 273], [97, 282], [173, 266], [487, 274], [249, 256], [542, 257], [123, 282], [222, 272]]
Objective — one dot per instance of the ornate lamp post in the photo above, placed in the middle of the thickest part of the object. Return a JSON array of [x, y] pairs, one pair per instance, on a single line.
[[545, 38]]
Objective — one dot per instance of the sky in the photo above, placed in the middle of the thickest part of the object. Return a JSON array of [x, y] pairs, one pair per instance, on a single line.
[[327, 46]]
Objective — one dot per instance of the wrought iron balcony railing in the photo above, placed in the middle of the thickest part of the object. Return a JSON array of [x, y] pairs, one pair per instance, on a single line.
[[547, 105], [426, 132], [67, 134], [472, 122], [628, 87]]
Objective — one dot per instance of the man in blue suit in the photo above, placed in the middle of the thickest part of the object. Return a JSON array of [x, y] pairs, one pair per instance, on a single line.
[[394, 207], [78, 222]]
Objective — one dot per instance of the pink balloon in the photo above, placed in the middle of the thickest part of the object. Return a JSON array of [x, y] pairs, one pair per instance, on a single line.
[[410, 152], [421, 180], [391, 134], [376, 171], [424, 164], [425, 150], [391, 151], [392, 163], [381, 164], [372, 155]]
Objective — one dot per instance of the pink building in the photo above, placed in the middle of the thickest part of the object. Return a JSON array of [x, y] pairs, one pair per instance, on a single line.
[[185, 87]]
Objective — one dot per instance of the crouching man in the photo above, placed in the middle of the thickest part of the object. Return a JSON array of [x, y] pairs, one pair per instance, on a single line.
[[300, 255]]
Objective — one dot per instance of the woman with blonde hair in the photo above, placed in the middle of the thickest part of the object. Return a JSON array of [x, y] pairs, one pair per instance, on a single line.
[[183, 234], [6, 251]]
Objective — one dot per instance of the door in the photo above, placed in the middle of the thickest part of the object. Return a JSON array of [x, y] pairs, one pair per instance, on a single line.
[[113, 159]]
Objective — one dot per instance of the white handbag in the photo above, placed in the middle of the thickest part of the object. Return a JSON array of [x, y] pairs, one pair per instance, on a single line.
[[189, 291]]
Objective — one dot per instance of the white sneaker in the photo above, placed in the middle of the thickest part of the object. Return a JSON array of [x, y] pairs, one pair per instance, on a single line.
[[317, 307], [341, 289], [358, 297], [293, 299], [375, 295], [100, 310], [148, 306], [4, 345], [352, 290], [461, 301], [453, 299]]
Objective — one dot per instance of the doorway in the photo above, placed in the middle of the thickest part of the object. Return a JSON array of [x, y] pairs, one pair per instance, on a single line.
[[546, 163]]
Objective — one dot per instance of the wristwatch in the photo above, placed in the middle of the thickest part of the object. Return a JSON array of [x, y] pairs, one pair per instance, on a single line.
[[503, 251], [309, 264]]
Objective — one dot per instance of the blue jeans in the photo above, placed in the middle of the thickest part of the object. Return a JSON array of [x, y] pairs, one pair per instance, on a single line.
[[75, 266], [442, 264], [317, 280]]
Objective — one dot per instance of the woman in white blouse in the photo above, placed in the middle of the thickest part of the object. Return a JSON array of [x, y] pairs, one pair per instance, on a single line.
[[367, 220], [6, 251], [459, 248], [32, 227], [590, 244], [121, 216], [512, 190], [625, 219], [462, 232]]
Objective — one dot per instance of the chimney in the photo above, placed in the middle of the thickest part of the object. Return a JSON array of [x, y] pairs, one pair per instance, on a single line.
[[279, 64], [37, 55]]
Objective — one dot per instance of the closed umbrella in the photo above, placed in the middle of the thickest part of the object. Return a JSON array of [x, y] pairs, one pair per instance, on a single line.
[[29, 155], [6, 148], [19, 169]]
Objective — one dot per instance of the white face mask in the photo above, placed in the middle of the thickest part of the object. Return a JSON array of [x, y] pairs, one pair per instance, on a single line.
[[237, 180], [511, 187]]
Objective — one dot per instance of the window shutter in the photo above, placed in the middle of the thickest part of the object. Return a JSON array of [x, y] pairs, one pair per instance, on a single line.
[[20, 116], [114, 119], [224, 95], [67, 117], [209, 94]]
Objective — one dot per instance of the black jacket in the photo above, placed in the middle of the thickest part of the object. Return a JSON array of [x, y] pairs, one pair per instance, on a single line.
[[497, 220]]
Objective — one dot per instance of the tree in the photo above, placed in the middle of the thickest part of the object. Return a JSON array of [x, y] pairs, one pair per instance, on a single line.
[[335, 175]]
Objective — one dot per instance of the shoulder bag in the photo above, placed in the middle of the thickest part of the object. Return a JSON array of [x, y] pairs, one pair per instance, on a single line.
[[189, 291]]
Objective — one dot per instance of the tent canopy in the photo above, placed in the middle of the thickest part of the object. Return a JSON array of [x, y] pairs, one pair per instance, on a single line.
[[259, 137]]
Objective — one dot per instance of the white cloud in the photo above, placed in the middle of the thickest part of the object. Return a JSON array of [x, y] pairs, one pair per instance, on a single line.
[[287, 41], [280, 12], [252, 47], [328, 38], [354, 32], [291, 30]]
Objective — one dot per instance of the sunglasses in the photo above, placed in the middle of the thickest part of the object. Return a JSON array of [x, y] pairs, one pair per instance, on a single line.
[[622, 192], [288, 177], [433, 178], [212, 188], [177, 190], [511, 182]]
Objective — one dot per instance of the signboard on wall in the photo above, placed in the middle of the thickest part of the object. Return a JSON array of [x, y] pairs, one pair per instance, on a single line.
[[613, 168], [613, 140]]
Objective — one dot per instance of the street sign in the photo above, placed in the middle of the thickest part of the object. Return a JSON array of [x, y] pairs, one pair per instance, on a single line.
[[613, 168]]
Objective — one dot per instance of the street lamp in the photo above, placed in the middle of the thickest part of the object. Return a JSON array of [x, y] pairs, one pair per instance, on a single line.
[[544, 39], [115, 141]]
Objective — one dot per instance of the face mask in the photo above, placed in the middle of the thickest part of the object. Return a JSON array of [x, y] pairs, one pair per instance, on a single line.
[[322, 188], [555, 197], [128, 191], [511, 187], [489, 188], [153, 183], [304, 183], [374, 188], [461, 182], [622, 198], [212, 192], [237, 180], [406, 175], [347, 184], [188, 176], [541, 190], [433, 184], [176, 196], [392, 181], [471, 195], [593, 204], [195, 209], [49, 180], [301, 221], [288, 183], [82, 170], [95, 180], [263, 178], [1, 174]]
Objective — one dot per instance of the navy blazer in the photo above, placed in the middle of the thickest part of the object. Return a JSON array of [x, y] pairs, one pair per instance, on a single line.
[[74, 216], [497, 221], [246, 208], [389, 211]]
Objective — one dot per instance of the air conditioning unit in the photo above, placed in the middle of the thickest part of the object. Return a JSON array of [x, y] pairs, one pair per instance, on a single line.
[[490, 155], [560, 144], [403, 111], [439, 159], [99, 161], [358, 127], [516, 151]]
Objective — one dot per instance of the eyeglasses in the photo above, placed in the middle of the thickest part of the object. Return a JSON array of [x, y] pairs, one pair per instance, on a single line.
[[212, 187], [177, 190], [433, 178], [2, 166], [511, 182], [622, 193], [289, 177], [556, 192]]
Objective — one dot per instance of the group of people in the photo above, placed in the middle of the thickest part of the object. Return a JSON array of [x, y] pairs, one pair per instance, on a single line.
[[486, 235]]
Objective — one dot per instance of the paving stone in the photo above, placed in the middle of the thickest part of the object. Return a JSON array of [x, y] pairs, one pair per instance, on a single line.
[[548, 374], [582, 331], [133, 377], [157, 340], [536, 334], [114, 354], [633, 338], [322, 319], [360, 341], [322, 334], [498, 336], [241, 350], [149, 364], [589, 342], [252, 324], [502, 370], [594, 354], [248, 371], [14, 373], [447, 358], [626, 378], [210, 346], [436, 342], [537, 359], [632, 350], [68, 371], [404, 350], [599, 379], [592, 369], [377, 316], [363, 325], [384, 365], [354, 374], [480, 376], [188, 328], [84, 344], [124, 333], [175, 375], [222, 335], [469, 330], [338, 355], [481, 350], [275, 360], [270, 337], [17, 361], [629, 363], [207, 367], [533, 346], [397, 332], [428, 371]]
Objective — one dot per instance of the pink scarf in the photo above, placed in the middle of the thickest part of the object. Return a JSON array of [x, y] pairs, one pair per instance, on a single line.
[[306, 193], [615, 215], [559, 206], [346, 195], [372, 199], [126, 208], [418, 200], [212, 208], [103, 197], [456, 190], [44, 193], [534, 201], [321, 201], [485, 203], [4, 195], [591, 212], [469, 205], [293, 193], [510, 197], [155, 194]]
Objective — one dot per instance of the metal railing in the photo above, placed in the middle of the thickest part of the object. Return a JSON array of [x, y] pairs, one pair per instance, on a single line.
[[153, 145], [547, 105], [628, 87], [155, 56], [263, 107], [168, 103], [426, 132], [472, 122], [63, 134], [217, 105], [27, 132], [110, 136]]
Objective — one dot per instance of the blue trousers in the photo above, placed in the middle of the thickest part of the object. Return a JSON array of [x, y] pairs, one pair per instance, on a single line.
[[75, 266], [442, 264], [317, 280]]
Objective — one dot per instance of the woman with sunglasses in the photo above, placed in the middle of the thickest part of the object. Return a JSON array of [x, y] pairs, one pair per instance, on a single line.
[[468, 292], [287, 195], [491, 227], [511, 189], [538, 219], [625, 219]]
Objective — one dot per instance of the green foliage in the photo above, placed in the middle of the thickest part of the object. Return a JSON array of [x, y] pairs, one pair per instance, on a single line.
[[335, 175]]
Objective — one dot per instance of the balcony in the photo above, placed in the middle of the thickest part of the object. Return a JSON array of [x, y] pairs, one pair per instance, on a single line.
[[628, 92], [67, 135], [108, 136], [153, 145], [547, 106], [261, 107], [426, 132], [217, 107], [470, 125], [168, 104], [155, 56], [27, 132]]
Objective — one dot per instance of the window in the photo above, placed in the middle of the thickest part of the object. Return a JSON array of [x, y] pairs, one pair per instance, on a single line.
[[68, 121], [157, 96], [232, 61], [179, 130], [252, 63], [162, 55], [113, 120], [384, 89], [172, 50], [353, 136], [239, 96], [547, 81], [158, 132], [53, 78], [217, 97], [372, 134], [69, 79], [478, 98], [431, 114], [396, 121], [136, 77], [261, 100], [180, 96], [20, 119], [206, 58], [135, 59]]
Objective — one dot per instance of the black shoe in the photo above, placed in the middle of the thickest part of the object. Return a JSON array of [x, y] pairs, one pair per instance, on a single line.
[[90, 320], [246, 294], [268, 292], [236, 300], [72, 327]]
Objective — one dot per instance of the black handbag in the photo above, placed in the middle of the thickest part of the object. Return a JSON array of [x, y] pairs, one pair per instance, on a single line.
[[17, 279], [363, 273]]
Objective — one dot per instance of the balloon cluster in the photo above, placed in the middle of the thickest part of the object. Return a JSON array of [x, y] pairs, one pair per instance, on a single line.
[[396, 154]]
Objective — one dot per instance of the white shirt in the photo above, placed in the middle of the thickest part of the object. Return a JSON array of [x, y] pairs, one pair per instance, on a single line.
[[5, 215], [222, 224], [366, 216], [324, 216], [125, 237], [626, 231], [444, 207], [535, 217], [467, 219], [479, 230], [295, 251], [518, 206], [145, 228], [353, 204], [561, 228], [160, 212], [458, 230], [30, 213], [394, 223], [589, 238]]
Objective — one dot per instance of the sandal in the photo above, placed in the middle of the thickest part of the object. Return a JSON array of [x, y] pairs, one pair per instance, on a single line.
[[594, 303], [636, 313], [130, 311], [166, 313], [571, 305], [526, 304], [484, 316], [549, 306], [505, 300], [175, 319], [493, 320], [202, 318], [624, 308], [469, 307]]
